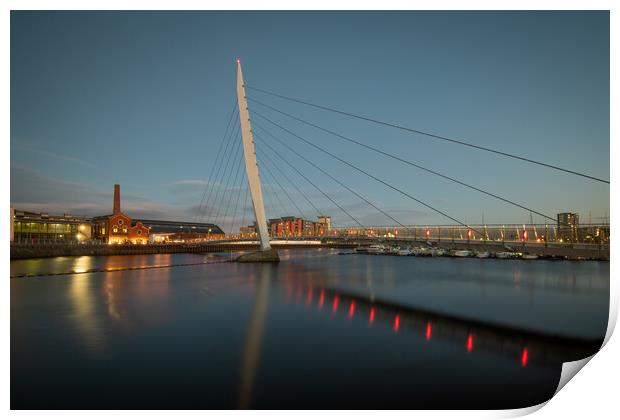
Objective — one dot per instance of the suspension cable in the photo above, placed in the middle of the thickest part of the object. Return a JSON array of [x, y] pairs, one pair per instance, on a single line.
[[434, 136], [314, 185], [318, 212], [329, 175], [374, 149], [240, 187], [283, 189], [232, 135], [273, 193], [234, 184], [209, 185], [237, 153], [245, 205], [366, 173]]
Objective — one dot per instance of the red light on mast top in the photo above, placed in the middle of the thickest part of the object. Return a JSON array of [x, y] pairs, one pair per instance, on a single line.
[[238, 60]]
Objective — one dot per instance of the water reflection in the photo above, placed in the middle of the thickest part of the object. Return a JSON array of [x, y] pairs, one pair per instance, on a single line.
[[122, 294], [501, 340], [254, 336], [82, 264], [119, 294], [84, 315]]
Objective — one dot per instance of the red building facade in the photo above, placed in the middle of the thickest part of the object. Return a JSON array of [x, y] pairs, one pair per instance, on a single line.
[[117, 228], [295, 227]]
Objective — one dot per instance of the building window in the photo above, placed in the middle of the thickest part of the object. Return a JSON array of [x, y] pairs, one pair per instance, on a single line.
[[124, 230], [115, 230], [120, 221], [139, 232]]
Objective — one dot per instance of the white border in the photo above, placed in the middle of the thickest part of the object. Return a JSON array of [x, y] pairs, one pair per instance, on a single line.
[[593, 394]]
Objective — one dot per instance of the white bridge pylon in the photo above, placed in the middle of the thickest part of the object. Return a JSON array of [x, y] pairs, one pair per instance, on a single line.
[[251, 167]]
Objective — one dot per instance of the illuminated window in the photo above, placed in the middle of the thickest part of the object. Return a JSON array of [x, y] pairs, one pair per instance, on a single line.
[[115, 230], [124, 230]]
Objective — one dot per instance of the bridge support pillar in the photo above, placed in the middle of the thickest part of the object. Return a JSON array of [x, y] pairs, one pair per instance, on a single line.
[[270, 255]]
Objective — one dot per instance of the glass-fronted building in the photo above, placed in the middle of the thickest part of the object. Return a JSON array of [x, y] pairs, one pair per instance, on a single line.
[[32, 227], [29, 227]]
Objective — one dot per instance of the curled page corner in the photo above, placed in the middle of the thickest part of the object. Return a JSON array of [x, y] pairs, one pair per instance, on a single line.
[[613, 316], [518, 412], [570, 369]]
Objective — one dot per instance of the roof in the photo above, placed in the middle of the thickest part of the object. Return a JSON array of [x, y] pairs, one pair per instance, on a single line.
[[45, 217], [171, 226]]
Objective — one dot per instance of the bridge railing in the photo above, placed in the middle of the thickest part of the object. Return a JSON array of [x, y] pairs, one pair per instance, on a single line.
[[593, 234], [530, 233]]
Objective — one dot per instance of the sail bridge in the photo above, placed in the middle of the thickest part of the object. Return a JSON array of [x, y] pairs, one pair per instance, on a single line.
[[291, 206], [266, 253]]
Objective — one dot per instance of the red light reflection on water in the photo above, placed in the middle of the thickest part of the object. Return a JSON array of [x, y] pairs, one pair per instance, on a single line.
[[309, 298], [371, 317], [396, 323], [335, 304], [470, 343], [429, 331], [524, 357], [351, 309], [321, 299], [289, 292]]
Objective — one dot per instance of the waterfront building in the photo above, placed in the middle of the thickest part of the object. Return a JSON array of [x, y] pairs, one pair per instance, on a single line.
[[248, 231], [117, 228], [170, 231], [327, 223], [568, 227], [291, 226], [34, 227]]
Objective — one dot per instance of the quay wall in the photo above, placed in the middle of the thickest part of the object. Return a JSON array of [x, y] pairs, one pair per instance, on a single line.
[[21, 251], [577, 251]]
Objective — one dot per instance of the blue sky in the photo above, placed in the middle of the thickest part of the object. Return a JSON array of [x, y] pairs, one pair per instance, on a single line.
[[143, 98]]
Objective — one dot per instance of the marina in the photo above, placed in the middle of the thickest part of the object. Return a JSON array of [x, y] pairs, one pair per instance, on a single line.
[[433, 251]]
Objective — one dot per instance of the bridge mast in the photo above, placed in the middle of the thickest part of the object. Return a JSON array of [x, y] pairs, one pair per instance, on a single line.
[[251, 168]]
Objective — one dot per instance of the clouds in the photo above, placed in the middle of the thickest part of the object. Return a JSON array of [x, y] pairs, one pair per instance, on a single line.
[[29, 147], [31, 186], [185, 186], [34, 190]]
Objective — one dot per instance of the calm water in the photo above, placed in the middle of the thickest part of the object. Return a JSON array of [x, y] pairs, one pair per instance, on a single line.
[[318, 330]]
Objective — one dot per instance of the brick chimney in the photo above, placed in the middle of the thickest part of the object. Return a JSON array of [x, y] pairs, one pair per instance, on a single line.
[[117, 199]]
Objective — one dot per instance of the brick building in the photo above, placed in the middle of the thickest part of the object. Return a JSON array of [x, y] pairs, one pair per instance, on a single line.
[[117, 228], [295, 227]]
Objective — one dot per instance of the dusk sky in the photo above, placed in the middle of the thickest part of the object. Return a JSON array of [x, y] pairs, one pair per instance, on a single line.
[[142, 99]]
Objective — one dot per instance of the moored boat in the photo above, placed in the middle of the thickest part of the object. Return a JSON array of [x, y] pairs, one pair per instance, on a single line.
[[462, 253], [529, 257], [483, 254], [376, 249], [438, 252], [505, 255]]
